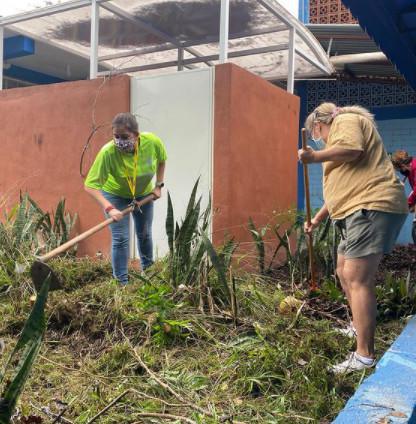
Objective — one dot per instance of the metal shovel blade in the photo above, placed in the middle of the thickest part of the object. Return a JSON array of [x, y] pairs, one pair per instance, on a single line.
[[39, 271]]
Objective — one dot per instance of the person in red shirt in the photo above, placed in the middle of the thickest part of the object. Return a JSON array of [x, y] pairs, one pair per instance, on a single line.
[[406, 165]]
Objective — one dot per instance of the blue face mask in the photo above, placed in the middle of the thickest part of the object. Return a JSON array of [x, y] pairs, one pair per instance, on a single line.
[[319, 143]]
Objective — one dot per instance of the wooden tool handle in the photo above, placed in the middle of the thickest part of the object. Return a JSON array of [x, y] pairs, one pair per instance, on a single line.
[[306, 181], [308, 215], [64, 247]]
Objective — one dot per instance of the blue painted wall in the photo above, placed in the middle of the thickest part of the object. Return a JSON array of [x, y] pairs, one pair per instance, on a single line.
[[304, 11], [395, 108]]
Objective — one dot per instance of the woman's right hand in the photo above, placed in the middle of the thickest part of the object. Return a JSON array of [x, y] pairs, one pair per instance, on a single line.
[[116, 214], [309, 228]]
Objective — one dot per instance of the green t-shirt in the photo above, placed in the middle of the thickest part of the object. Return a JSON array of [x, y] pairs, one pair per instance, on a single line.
[[108, 172]]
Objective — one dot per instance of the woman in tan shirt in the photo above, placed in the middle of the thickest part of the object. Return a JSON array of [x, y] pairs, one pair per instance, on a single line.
[[367, 202]]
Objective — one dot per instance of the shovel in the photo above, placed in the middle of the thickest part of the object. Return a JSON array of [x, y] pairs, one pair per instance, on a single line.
[[39, 271]]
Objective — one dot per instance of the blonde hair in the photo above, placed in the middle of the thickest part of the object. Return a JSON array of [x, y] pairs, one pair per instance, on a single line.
[[327, 112]]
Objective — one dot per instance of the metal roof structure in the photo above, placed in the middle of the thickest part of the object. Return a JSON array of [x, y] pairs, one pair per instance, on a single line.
[[392, 25], [340, 40], [130, 36]]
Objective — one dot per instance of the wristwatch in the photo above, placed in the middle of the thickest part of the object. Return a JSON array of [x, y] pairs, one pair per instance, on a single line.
[[160, 184]]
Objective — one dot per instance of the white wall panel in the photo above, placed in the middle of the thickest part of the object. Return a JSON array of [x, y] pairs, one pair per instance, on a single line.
[[178, 107]]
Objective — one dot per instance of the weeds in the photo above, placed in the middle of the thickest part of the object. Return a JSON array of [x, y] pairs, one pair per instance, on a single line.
[[256, 371], [396, 296], [197, 341]]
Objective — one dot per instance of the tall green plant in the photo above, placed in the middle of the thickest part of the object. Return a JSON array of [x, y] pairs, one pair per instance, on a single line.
[[24, 354], [258, 235], [282, 232], [186, 249], [218, 264], [192, 257], [325, 242], [290, 237]]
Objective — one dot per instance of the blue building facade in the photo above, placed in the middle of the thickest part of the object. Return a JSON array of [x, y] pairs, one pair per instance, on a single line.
[[304, 11]]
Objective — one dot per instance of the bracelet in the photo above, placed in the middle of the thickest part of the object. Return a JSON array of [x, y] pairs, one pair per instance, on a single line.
[[109, 208]]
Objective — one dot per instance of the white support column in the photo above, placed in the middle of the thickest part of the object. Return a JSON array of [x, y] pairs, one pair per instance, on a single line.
[[291, 61], [95, 25], [1, 55], [180, 59], [224, 27]]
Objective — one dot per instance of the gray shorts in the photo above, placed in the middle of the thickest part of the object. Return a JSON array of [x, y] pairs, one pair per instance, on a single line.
[[368, 232]]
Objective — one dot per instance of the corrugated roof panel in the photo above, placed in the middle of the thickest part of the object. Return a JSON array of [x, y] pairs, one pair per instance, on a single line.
[[147, 34], [387, 22]]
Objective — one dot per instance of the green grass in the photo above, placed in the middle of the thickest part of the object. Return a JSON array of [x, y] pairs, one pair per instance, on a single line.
[[259, 367]]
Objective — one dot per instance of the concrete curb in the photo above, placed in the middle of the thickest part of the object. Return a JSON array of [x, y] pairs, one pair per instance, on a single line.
[[388, 395]]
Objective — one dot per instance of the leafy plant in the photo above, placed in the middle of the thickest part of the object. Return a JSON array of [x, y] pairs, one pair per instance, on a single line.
[[332, 291], [24, 354], [54, 230], [186, 249], [192, 257], [258, 237], [27, 230], [157, 304], [396, 296]]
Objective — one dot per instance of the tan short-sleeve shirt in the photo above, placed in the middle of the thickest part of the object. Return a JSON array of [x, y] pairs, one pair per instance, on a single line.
[[368, 182]]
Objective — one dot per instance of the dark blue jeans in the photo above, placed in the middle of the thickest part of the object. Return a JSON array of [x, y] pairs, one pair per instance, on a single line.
[[143, 219]]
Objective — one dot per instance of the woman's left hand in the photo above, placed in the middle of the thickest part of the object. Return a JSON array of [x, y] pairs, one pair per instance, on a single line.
[[307, 156], [157, 191]]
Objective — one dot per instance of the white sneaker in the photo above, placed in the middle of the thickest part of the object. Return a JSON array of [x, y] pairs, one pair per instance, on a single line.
[[349, 331], [353, 363]]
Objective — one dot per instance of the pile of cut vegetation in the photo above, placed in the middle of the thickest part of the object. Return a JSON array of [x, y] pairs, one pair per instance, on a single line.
[[154, 352], [195, 340]]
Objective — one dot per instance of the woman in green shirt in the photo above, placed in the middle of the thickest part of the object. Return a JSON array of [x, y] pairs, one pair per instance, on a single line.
[[123, 171]]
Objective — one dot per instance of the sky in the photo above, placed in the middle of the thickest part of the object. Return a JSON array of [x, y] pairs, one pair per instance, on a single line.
[[291, 5], [17, 6]]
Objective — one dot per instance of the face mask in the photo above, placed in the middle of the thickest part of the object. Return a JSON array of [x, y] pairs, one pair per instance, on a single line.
[[125, 146], [319, 142]]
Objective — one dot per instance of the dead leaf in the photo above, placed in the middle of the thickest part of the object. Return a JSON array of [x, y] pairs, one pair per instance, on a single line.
[[31, 419], [398, 414]]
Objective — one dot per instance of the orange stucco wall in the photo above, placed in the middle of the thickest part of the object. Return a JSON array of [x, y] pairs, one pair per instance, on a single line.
[[44, 130], [255, 153]]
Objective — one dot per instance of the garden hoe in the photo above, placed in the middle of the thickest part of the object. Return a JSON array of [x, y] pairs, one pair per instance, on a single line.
[[39, 271], [313, 284]]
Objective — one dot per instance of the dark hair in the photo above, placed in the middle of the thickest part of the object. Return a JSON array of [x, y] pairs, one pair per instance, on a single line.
[[400, 157], [126, 120]]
